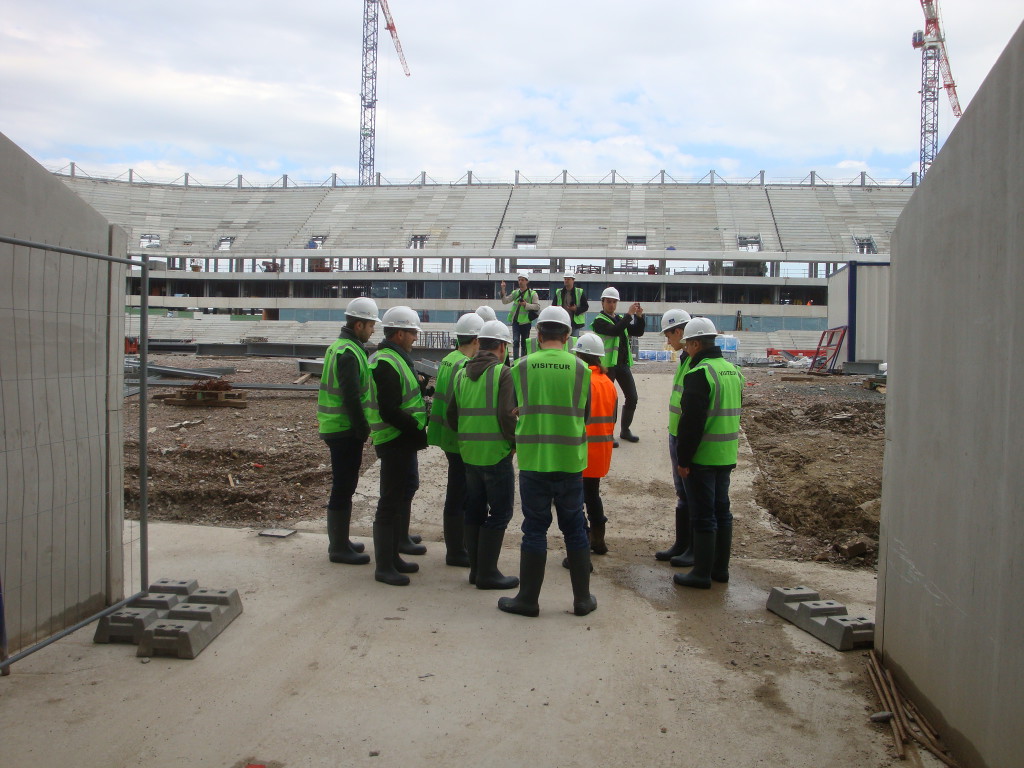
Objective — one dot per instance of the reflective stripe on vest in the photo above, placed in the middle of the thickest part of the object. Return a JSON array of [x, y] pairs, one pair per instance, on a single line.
[[522, 313], [601, 424], [612, 344], [330, 408], [412, 399], [480, 440], [438, 431], [533, 345], [552, 388], [675, 397], [719, 446], [579, 318]]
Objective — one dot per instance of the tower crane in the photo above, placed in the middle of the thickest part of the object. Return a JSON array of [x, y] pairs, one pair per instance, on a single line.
[[934, 60], [368, 94]]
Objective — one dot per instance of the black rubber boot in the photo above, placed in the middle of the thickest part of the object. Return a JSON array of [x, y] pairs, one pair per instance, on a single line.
[[597, 545], [531, 578], [579, 573], [402, 535], [339, 548], [472, 534], [626, 423], [682, 542], [384, 556], [454, 542], [723, 550], [405, 543], [487, 574], [704, 558]]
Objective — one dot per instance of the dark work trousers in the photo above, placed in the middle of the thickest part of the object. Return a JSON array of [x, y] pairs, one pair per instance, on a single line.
[[537, 492], [346, 458], [623, 374], [490, 493], [707, 493], [520, 337], [681, 505], [455, 493], [399, 481], [592, 500]]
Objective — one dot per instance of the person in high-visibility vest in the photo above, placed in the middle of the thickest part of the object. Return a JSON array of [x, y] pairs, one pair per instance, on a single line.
[[706, 451], [397, 415], [483, 414], [553, 390], [600, 435], [680, 554], [441, 435], [616, 331], [524, 301], [344, 390], [574, 301]]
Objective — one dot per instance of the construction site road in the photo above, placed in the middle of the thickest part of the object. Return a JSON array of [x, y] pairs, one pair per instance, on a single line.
[[327, 667]]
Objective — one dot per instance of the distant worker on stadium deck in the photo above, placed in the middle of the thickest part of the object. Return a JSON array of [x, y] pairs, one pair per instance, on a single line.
[[344, 392], [553, 390], [574, 301], [616, 331], [600, 436], [707, 448], [483, 412], [680, 554], [443, 436], [397, 415], [524, 309]]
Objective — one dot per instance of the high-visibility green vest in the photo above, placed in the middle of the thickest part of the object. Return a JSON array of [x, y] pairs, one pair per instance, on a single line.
[[580, 317], [412, 399], [552, 388], [438, 431], [330, 409], [720, 444], [675, 397], [480, 440], [612, 344], [533, 345], [519, 315]]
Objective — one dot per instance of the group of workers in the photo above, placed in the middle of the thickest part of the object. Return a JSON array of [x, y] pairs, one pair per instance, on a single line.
[[552, 402]]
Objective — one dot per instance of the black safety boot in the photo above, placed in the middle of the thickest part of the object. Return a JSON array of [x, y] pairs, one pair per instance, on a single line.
[[402, 535], [597, 545], [703, 560], [565, 564], [626, 423], [384, 556], [723, 550], [454, 542], [579, 573], [405, 543], [472, 534], [682, 542], [339, 548], [531, 578], [487, 574]]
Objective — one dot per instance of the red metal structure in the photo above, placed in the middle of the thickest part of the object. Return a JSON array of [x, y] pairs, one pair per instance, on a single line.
[[934, 60], [831, 341]]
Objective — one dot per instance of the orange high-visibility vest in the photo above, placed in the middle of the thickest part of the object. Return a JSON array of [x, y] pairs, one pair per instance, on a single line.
[[601, 424]]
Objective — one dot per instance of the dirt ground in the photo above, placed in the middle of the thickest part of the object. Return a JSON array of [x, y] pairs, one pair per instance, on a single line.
[[817, 441]]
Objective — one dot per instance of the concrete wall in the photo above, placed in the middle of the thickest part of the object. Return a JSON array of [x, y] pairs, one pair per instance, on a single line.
[[866, 287], [61, 499], [951, 570]]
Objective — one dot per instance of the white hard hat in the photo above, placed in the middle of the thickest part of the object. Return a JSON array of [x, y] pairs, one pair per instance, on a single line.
[[569, 276], [468, 325], [495, 329], [610, 293], [362, 309], [401, 317], [554, 315], [699, 326], [523, 275], [486, 312], [590, 344], [673, 319]]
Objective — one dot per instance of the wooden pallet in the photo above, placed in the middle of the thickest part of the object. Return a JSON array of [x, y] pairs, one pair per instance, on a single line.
[[207, 399]]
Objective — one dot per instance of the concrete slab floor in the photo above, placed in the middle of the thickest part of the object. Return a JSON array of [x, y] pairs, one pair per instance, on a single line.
[[326, 667]]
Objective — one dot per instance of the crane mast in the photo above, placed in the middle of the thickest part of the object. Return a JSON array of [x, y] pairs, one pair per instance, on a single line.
[[934, 66], [368, 92]]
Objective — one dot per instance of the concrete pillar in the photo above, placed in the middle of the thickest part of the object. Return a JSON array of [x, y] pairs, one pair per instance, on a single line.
[[72, 170], [613, 175], [131, 176], [517, 179], [761, 178], [334, 183], [469, 177], [863, 178], [186, 179], [239, 181], [284, 181]]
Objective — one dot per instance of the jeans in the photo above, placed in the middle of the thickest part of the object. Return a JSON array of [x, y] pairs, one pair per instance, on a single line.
[[537, 490], [346, 458], [490, 493], [576, 331], [399, 481], [592, 500], [455, 493], [707, 492], [673, 442], [520, 335]]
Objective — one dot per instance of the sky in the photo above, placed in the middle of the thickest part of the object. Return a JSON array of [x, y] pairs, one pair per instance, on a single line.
[[264, 89]]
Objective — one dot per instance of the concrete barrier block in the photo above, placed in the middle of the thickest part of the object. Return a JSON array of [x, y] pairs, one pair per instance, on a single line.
[[182, 638], [785, 601], [844, 633], [827, 620], [174, 586], [810, 612], [124, 626], [160, 601]]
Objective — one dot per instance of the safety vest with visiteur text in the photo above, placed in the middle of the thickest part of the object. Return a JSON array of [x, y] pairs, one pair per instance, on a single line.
[[600, 424], [412, 398], [330, 408], [719, 446], [552, 388]]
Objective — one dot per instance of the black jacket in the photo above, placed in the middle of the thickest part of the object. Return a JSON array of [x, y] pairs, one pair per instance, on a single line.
[[389, 401], [695, 404], [348, 380], [561, 300], [614, 325]]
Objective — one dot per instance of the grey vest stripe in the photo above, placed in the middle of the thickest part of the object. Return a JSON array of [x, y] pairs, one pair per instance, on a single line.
[[727, 438], [331, 409], [550, 440], [475, 412], [602, 419], [600, 438], [479, 436], [577, 389], [675, 409], [550, 410]]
